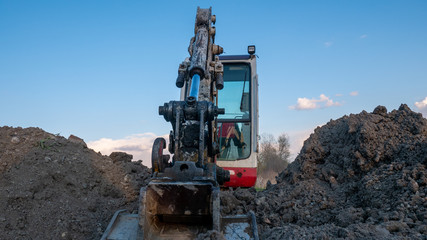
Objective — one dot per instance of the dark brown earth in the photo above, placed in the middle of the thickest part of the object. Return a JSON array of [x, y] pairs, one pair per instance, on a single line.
[[53, 188], [362, 176]]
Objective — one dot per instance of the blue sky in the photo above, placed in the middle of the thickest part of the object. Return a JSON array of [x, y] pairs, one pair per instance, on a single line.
[[100, 69]]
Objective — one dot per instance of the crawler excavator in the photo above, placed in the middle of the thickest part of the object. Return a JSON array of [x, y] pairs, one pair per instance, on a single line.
[[182, 200]]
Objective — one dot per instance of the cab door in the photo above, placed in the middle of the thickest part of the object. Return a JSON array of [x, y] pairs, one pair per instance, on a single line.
[[237, 128]]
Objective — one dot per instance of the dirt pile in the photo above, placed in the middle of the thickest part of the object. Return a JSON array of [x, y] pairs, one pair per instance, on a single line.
[[360, 176], [55, 188]]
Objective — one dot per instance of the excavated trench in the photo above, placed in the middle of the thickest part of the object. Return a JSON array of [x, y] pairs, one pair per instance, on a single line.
[[360, 176]]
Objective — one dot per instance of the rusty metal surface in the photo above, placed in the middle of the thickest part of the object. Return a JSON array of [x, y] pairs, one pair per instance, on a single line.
[[183, 199], [178, 210], [199, 57]]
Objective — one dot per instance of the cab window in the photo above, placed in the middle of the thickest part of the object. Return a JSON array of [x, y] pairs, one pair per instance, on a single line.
[[234, 127]]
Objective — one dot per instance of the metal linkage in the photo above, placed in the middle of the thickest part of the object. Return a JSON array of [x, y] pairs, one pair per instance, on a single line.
[[188, 119]]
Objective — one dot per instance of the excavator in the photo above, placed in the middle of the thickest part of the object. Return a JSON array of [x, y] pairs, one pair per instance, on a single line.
[[209, 130]]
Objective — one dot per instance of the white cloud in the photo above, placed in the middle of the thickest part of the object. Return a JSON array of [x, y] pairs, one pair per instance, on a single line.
[[364, 36], [296, 141], [338, 95], [328, 44], [309, 104], [422, 106], [139, 145], [354, 93]]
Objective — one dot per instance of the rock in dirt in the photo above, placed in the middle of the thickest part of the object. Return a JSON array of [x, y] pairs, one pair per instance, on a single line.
[[121, 157], [211, 235], [74, 139]]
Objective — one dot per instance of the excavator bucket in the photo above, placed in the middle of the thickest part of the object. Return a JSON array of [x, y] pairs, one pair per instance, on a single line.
[[179, 210]]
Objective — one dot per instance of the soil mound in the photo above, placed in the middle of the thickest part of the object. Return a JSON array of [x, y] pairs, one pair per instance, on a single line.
[[57, 188], [360, 176]]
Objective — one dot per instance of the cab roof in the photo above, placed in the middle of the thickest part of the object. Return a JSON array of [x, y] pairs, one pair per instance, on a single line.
[[235, 57]]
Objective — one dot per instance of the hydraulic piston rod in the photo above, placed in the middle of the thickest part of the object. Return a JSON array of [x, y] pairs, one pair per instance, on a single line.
[[195, 83]]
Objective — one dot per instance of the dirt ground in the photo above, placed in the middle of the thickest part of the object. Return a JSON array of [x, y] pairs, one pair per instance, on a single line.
[[54, 188], [362, 176]]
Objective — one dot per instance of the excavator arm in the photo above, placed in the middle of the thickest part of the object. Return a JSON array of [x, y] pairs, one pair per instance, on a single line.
[[182, 200]]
